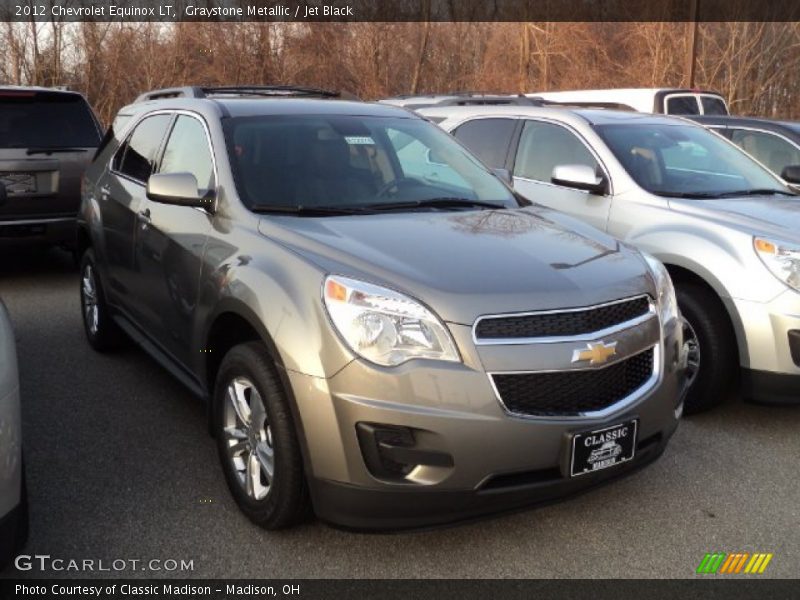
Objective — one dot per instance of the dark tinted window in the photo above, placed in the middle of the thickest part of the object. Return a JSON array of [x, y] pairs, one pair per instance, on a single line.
[[713, 106], [544, 146], [682, 105], [139, 153], [488, 139], [46, 120], [187, 151], [338, 160]]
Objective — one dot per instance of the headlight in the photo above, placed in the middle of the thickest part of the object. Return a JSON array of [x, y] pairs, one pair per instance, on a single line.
[[782, 259], [667, 302], [383, 326]]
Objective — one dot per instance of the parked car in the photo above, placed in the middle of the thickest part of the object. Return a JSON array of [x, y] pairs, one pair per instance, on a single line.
[[669, 101], [47, 138], [413, 102], [725, 226], [393, 349], [13, 496], [776, 144]]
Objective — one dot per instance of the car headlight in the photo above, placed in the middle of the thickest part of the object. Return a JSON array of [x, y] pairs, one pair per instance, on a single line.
[[667, 302], [782, 259], [383, 326]]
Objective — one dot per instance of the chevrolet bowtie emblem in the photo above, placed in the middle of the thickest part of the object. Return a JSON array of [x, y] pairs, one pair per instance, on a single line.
[[595, 353]]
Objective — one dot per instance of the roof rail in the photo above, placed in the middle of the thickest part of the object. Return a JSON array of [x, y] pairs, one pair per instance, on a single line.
[[491, 99], [271, 91]]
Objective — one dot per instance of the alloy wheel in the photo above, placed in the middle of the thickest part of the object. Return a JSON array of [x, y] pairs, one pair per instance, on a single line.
[[248, 438], [89, 299], [692, 353]]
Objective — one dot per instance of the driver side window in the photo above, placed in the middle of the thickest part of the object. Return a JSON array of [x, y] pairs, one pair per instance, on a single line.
[[187, 151], [544, 146]]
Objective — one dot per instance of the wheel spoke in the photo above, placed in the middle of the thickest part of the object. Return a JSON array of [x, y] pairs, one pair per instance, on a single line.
[[253, 475], [237, 396], [266, 458]]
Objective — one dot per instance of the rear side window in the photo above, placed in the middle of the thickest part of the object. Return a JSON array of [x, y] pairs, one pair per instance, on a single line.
[[713, 105], [488, 139], [682, 105], [544, 146], [187, 151], [46, 120], [136, 158]]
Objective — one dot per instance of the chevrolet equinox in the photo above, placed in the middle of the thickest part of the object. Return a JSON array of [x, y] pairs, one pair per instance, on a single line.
[[383, 331]]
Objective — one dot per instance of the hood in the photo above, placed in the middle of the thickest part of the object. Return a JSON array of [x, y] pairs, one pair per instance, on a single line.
[[771, 216], [465, 264]]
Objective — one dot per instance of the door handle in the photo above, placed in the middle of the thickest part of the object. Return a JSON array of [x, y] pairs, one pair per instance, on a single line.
[[105, 191], [144, 217]]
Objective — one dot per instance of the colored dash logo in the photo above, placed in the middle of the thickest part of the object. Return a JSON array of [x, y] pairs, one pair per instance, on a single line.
[[735, 563]]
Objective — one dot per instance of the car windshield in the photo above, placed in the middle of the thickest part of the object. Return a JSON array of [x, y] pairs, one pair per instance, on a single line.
[[314, 162], [46, 120], [686, 161]]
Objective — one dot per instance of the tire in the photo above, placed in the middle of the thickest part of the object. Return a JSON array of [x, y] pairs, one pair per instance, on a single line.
[[716, 355], [101, 331], [257, 441]]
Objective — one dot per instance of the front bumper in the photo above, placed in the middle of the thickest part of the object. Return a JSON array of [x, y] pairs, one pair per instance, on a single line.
[[770, 351], [498, 461]]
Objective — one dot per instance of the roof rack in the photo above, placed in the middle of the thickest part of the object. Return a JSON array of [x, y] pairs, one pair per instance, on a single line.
[[271, 91]]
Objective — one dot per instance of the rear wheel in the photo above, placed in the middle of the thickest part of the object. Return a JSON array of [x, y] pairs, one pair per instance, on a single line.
[[712, 353], [101, 331], [257, 441]]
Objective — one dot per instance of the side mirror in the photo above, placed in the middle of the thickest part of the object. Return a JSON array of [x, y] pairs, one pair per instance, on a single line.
[[791, 174], [503, 175], [179, 189], [581, 177], [3, 193]]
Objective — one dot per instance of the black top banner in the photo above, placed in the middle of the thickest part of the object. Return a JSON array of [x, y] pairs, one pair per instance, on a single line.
[[396, 10]]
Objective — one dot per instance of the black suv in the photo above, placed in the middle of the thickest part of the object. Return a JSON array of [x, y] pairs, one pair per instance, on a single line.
[[47, 139]]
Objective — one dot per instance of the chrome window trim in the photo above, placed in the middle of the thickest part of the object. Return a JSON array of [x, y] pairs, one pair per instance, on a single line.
[[581, 337], [617, 406]]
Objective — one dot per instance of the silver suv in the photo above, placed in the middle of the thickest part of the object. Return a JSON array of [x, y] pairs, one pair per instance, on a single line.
[[726, 228], [393, 348]]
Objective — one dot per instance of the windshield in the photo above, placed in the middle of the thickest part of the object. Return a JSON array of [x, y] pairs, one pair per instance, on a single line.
[[46, 120], [685, 161], [335, 161]]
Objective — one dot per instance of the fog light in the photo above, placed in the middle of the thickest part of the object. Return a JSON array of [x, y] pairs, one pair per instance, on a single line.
[[390, 451]]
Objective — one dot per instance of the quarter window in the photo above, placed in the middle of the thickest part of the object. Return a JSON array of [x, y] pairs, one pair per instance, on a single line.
[[187, 151], [544, 146], [137, 157], [488, 139]]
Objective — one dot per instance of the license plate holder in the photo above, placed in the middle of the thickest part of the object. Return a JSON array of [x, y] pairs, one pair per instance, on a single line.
[[18, 183], [598, 449]]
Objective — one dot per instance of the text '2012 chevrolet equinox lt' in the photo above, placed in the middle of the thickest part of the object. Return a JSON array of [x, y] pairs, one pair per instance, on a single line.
[[390, 346]]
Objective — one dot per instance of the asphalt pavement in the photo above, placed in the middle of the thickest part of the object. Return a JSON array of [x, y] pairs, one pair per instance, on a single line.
[[120, 466]]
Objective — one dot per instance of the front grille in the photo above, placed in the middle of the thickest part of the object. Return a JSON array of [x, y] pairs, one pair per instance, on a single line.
[[557, 324], [571, 393]]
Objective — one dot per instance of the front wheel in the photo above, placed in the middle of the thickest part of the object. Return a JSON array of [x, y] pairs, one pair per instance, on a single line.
[[712, 365], [257, 441]]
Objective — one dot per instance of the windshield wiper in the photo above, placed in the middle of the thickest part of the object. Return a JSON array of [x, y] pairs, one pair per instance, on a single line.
[[713, 195], [306, 211], [755, 192], [443, 202], [30, 151], [695, 195]]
